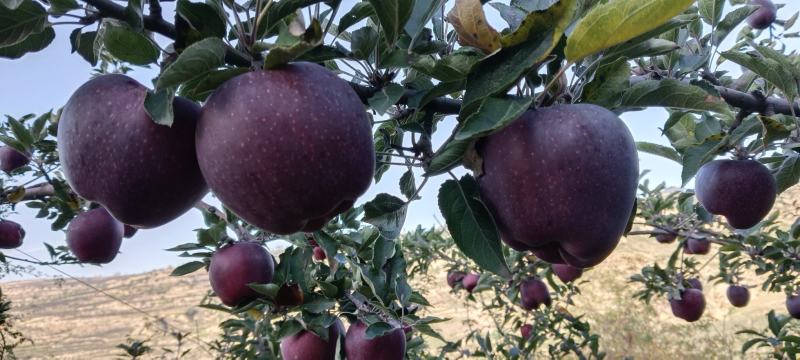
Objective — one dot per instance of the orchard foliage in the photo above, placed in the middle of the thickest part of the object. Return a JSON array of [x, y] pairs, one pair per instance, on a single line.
[[553, 180]]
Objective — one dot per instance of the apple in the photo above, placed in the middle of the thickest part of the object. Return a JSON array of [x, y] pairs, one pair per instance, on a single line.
[[793, 305], [390, 346], [526, 331], [666, 238], [129, 231], [94, 236], [306, 345], [11, 159], [567, 273], [741, 190], [454, 278], [289, 295], [690, 306], [695, 283], [534, 293], [113, 153], [235, 266], [738, 295], [764, 16], [561, 182], [11, 234], [286, 149], [470, 281], [318, 253], [697, 246]]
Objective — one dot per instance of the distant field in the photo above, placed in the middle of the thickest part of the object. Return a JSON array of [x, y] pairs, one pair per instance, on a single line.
[[67, 320]]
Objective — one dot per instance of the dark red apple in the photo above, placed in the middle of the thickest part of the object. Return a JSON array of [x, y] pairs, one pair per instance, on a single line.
[[741, 190], [697, 246], [534, 293], [561, 182], [454, 278], [567, 273], [390, 346], [526, 331], [318, 253], [793, 305], [11, 234], [289, 295], [666, 238], [94, 236], [695, 283], [11, 159], [286, 149], [113, 153], [470, 281], [690, 306], [130, 231], [738, 296], [764, 16], [306, 345], [234, 267]]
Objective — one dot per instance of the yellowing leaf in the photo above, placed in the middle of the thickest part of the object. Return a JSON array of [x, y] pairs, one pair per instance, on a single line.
[[469, 21], [556, 17], [17, 195], [618, 21]]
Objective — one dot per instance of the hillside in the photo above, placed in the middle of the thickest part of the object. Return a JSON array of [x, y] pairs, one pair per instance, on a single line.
[[67, 320]]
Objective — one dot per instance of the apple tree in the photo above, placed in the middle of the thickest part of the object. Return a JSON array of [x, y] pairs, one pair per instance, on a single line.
[[287, 111]]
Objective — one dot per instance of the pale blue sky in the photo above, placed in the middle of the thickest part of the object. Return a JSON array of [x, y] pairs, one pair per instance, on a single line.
[[46, 79]]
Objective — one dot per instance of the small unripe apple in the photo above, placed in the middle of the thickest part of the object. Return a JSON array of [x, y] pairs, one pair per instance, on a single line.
[[738, 296], [11, 159], [764, 16], [526, 331], [306, 345], [741, 190], [666, 238], [11, 234], [470, 281], [793, 305], [390, 346], [289, 295], [690, 306], [697, 246], [695, 283], [236, 266], [129, 231], [319, 254], [567, 273], [534, 293], [454, 278], [94, 236]]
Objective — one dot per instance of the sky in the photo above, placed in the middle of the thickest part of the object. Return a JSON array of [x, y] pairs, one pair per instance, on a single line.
[[45, 80]]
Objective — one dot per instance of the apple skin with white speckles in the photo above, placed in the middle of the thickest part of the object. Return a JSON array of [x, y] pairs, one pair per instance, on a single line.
[[561, 182], [94, 236], [286, 149], [113, 153], [741, 190]]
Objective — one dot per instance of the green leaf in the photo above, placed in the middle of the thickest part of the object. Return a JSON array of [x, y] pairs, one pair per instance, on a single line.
[[159, 106], [32, 43], [770, 69], [694, 157], [407, 186], [133, 15], [58, 7], [281, 55], [420, 15], [788, 174], [279, 11], [83, 43], [493, 114], [392, 15], [673, 94], [21, 133], [471, 225], [495, 74], [659, 150], [16, 25], [363, 42], [387, 213], [750, 343], [202, 18], [195, 61], [386, 98], [730, 22], [609, 83], [711, 10], [447, 157], [617, 21], [378, 329], [127, 45], [11, 4], [360, 11], [268, 290], [199, 88], [188, 268], [511, 14]]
